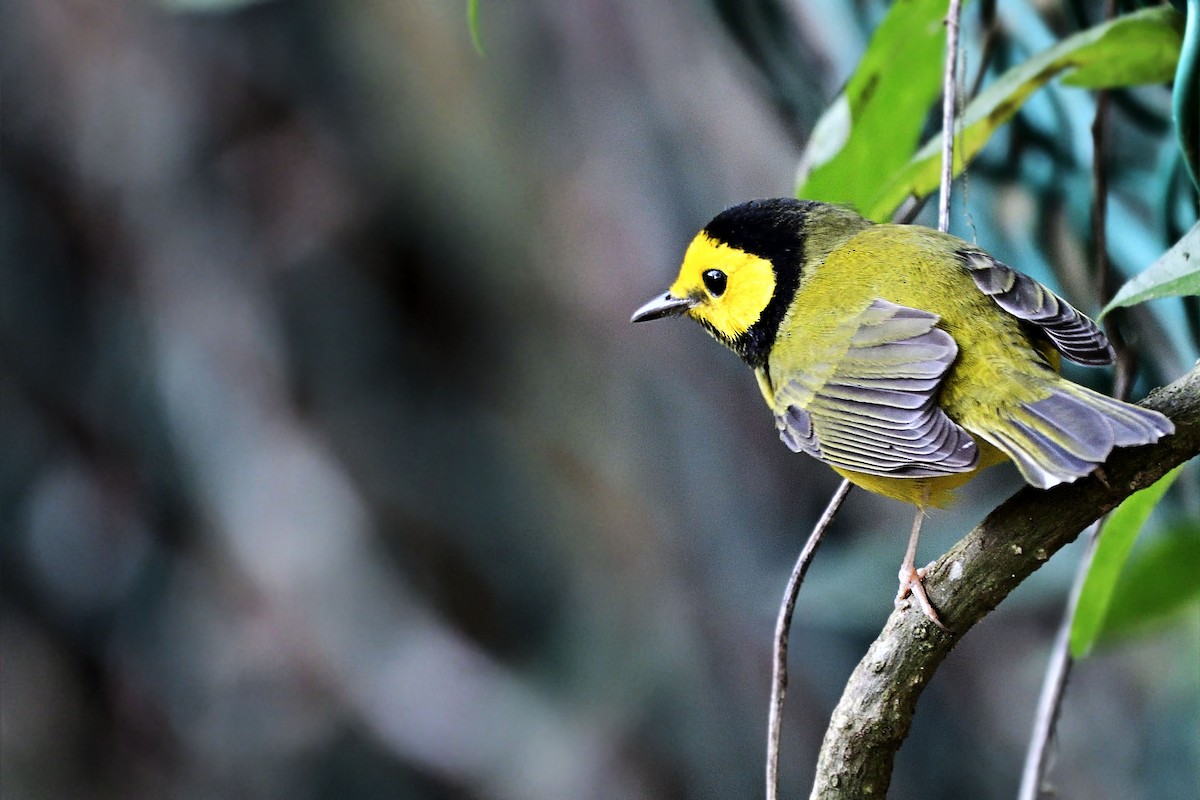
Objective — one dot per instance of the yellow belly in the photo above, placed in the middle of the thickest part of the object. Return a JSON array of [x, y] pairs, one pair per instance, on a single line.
[[924, 492]]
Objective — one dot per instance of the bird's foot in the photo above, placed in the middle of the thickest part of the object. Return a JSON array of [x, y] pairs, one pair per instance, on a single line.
[[910, 584]]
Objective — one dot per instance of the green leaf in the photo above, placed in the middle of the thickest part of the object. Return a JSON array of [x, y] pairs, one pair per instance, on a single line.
[[1112, 62], [874, 126], [473, 25], [1157, 582], [1116, 539], [1176, 274], [1137, 48]]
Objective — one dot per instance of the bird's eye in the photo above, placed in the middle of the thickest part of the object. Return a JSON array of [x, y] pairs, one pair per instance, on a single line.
[[714, 281]]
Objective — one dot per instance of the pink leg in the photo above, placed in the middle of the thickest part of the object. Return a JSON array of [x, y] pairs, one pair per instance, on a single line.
[[910, 577]]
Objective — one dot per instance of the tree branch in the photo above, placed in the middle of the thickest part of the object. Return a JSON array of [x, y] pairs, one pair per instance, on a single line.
[[875, 712]]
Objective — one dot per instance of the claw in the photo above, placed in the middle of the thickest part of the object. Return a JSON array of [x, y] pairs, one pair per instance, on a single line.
[[910, 584]]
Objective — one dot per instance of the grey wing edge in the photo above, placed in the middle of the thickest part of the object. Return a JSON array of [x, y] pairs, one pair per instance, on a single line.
[[1073, 334]]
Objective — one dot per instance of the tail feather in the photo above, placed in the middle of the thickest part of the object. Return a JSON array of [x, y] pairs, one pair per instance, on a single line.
[[1069, 433], [1133, 425], [1041, 462], [1069, 422]]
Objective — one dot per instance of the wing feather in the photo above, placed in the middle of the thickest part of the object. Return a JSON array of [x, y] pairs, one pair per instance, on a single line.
[[1071, 333], [873, 408]]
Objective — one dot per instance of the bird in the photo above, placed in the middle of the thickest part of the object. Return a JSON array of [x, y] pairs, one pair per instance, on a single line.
[[905, 358]]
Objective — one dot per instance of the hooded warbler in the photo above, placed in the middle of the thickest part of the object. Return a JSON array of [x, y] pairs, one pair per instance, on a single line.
[[904, 358]]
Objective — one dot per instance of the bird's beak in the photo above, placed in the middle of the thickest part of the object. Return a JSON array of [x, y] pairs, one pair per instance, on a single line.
[[668, 305]]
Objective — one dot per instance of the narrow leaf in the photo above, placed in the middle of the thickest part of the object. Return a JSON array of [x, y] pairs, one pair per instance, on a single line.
[[1137, 48], [473, 25], [1158, 581], [1157, 39], [1116, 539], [874, 126], [1176, 274]]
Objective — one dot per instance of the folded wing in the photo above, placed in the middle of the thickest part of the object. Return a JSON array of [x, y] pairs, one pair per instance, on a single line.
[[873, 408]]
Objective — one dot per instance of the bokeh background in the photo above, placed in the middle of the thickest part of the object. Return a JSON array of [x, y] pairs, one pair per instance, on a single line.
[[332, 468]]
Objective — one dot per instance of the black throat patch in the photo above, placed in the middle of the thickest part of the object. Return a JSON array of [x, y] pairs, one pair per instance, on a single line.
[[770, 229]]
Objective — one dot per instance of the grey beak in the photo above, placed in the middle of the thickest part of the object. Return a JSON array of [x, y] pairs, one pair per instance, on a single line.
[[665, 306]]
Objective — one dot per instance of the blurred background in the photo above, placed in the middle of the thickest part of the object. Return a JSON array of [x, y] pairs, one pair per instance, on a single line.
[[332, 467]]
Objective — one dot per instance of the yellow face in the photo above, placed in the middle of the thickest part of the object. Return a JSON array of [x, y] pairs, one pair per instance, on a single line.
[[728, 287]]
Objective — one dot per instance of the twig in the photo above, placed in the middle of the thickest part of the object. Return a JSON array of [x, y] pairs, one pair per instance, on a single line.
[[1103, 274], [949, 92], [875, 712], [1054, 685], [783, 624], [909, 209]]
